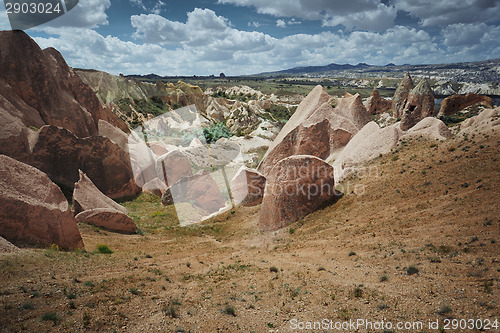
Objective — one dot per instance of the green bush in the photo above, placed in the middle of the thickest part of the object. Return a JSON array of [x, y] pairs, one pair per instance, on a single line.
[[102, 248], [215, 132]]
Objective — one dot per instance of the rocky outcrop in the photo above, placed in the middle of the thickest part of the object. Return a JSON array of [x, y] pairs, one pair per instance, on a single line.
[[109, 219], [296, 187], [376, 104], [43, 81], [113, 133], [366, 145], [401, 96], [455, 103], [317, 128], [420, 105], [200, 190], [87, 196], [173, 166], [7, 247], [34, 210], [486, 121], [247, 187], [429, 128], [60, 154], [155, 186]]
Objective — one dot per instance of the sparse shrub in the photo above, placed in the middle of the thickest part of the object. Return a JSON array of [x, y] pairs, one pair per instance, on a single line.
[[412, 270], [134, 291], [104, 249], [215, 132], [273, 269], [352, 253], [444, 309], [229, 310], [321, 268], [27, 306], [382, 306], [291, 231], [384, 278], [358, 292], [50, 316], [395, 158]]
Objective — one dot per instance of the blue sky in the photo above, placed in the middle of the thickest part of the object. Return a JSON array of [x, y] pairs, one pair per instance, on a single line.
[[203, 37]]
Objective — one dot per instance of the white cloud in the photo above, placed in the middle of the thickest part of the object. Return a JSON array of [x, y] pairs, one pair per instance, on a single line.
[[280, 23], [445, 12], [353, 14], [86, 14], [254, 24]]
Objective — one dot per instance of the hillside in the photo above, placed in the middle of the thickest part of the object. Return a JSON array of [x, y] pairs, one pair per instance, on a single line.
[[432, 206]]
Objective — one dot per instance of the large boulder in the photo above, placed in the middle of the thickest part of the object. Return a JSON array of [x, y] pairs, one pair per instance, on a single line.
[[247, 187], [401, 96], [317, 128], [113, 133], [109, 219], [420, 105], [296, 187], [34, 210], [366, 145], [155, 187], [376, 104], [60, 154], [87, 196], [200, 190], [455, 103], [429, 128]]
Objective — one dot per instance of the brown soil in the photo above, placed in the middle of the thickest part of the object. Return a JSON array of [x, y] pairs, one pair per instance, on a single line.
[[432, 209]]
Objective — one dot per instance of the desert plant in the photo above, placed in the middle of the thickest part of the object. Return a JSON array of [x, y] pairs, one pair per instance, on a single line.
[[50, 316], [412, 270], [104, 249]]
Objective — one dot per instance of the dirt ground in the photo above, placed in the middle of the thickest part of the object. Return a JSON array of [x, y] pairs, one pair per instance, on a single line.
[[417, 242]]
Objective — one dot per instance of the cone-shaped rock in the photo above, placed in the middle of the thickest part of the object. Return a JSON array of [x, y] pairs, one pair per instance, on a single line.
[[401, 96], [420, 105]]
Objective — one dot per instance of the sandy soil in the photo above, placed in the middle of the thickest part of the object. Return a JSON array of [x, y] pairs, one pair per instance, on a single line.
[[419, 245]]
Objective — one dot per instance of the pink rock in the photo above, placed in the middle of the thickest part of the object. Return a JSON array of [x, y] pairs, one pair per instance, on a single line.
[[296, 187], [34, 210], [109, 219], [247, 187]]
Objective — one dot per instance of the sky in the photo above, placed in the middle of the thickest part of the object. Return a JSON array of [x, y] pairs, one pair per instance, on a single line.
[[240, 37]]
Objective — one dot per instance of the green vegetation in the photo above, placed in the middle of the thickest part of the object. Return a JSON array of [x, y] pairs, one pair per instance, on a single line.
[[215, 132], [279, 113], [104, 249]]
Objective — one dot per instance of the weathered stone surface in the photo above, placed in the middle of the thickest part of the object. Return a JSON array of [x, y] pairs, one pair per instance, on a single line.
[[34, 210], [199, 189], [366, 145], [316, 128], [486, 121], [247, 187], [113, 133], [155, 186], [401, 96], [43, 81], [109, 219], [7, 247], [60, 154], [173, 166], [296, 186], [420, 105], [87, 196], [376, 104], [430, 128], [455, 103]]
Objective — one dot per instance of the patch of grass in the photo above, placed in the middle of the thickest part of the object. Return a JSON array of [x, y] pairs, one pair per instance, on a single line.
[[104, 249], [412, 270], [444, 309], [50, 316], [382, 306], [134, 291], [229, 310], [384, 278], [27, 306], [171, 308], [358, 292]]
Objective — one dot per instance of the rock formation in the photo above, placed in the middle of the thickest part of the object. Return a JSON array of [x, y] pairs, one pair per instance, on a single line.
[[113, 133], [247, 187], [430, 128], [486, 121], [7, 247], [296, 186], [109, 219], [420, 105], [376, 104], [60, 154], [200, 190], [366, 145], [87, 196], [34, 210], [155, 186], [455, 103], [401, 96], [173, 166], [316, 128]]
